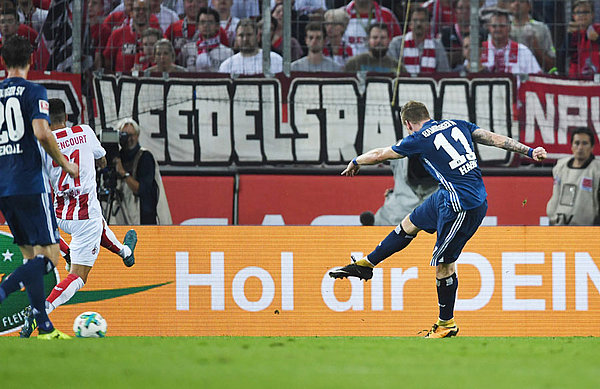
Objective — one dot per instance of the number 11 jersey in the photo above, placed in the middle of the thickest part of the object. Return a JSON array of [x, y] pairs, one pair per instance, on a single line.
[[446, 150], [76, 199]]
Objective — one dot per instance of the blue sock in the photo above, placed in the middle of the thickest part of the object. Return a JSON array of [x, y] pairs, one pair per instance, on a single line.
[[446, 290], [394, 242], [31, 275]]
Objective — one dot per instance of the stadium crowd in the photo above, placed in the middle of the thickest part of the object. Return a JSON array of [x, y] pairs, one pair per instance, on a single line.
[[516, 36]]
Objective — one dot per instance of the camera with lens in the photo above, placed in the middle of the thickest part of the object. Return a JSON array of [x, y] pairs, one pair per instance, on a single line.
[[123, 139], [107, 177]]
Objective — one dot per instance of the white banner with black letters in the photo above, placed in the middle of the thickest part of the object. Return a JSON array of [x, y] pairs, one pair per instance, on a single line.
[[290, 121]]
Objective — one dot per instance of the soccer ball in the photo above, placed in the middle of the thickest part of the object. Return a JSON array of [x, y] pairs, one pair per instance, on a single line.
[[90, 325]]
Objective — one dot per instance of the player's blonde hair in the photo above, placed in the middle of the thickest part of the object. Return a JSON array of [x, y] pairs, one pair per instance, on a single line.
[[414, 112]]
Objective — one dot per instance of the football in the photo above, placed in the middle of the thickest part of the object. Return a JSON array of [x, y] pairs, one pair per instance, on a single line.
[[90, 325]]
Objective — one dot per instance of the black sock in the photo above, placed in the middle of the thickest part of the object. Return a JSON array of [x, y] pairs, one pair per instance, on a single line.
[[446, 290], [394, 242]]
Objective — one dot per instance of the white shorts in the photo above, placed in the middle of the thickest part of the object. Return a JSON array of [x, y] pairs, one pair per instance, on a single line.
[[85, 239]]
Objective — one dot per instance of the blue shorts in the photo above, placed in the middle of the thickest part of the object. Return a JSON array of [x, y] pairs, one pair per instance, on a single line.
[[454, 229], [31, 219]]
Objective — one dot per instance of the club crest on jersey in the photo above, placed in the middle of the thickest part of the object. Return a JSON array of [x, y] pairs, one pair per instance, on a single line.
[[94, 250], [44, 107]]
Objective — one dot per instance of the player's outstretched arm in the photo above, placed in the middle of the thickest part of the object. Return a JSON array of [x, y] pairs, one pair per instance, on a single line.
[[489, 138], [371, 157], [44, 135]]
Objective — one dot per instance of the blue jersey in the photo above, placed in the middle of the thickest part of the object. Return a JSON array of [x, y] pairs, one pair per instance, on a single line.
[[446, 150], [21, 166]]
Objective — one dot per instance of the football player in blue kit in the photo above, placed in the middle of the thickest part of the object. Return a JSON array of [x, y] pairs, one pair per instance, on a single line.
[[455, 210], [25, 199]]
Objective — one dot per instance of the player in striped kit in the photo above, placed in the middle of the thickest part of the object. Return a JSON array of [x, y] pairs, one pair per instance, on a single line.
[[77, 208], [454, 211]]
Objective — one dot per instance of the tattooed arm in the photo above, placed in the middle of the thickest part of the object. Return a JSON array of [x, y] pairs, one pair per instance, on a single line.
[[489, 138]]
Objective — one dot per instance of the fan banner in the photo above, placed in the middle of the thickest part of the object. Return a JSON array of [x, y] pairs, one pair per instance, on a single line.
[[218, 121], [552, 107], [272, 281]]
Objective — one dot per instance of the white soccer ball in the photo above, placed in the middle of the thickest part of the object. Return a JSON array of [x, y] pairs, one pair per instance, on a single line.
[[90, 325]]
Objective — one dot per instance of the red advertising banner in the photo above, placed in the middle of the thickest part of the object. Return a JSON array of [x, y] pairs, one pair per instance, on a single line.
[[550, 107], [200, 200], [330, 200]]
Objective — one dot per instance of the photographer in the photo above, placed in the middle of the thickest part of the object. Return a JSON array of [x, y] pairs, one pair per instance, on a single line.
[[140, 185]]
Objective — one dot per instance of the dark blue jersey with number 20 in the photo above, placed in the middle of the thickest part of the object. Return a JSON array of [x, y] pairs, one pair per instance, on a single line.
[[21, 167], [446, 150]]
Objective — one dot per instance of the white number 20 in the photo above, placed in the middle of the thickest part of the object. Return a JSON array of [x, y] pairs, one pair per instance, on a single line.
[[11, 113], [457, 158]]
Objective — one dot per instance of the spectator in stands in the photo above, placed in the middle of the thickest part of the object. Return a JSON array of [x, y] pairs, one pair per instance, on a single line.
[[227, 20], [30, 15], [249, 59], [532, 33], [122, 46], [583, 42], [442, 15], [452, 36], [99, 31], [336, 21], [362, 14], [300, 17], [9, 24], [465, 66], [243, 9], [422, 53], [499, 54], [575, 197], [304, 7], [121, 15], [375, 60], [164, 56], [165, 15], [277, 42], [208, 52], [178, 7], [489, 8], [184, 30], [145, 58], [315, 61]]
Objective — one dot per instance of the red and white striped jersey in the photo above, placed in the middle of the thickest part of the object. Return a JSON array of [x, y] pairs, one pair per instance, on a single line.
[[76, 199]]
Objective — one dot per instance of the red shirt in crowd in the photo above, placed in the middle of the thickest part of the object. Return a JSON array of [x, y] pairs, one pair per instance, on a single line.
[[441, 15], [100, 34], [584, 54], [119, 19], [181, 32], [121, 49], [28, 32]]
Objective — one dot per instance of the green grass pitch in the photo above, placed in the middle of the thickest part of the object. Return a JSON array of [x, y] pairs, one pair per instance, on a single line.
[[301, 362]]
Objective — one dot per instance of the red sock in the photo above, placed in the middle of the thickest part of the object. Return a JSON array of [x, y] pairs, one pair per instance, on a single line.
[[64, 247], [106, 242], [64, 287]]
